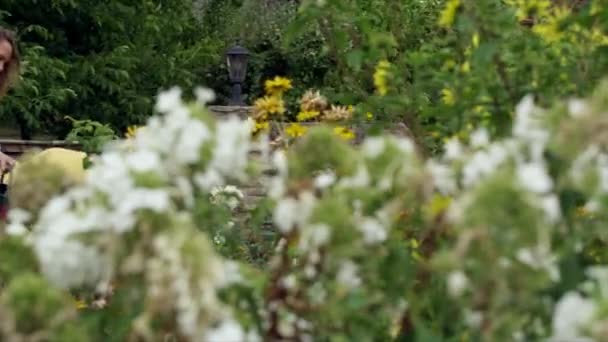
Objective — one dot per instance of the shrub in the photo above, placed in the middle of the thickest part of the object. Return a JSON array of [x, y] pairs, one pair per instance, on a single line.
[[495, 239]]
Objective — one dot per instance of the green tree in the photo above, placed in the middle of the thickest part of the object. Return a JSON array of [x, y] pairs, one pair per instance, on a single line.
[[101, 60]]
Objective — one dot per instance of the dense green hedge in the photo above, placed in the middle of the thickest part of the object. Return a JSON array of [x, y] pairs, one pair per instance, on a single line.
[[100, 60]]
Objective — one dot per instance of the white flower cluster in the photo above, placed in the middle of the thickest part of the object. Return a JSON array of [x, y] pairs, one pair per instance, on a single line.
[[577, 316], [158, 171], [229, 196], [382, 165], [482, 158]]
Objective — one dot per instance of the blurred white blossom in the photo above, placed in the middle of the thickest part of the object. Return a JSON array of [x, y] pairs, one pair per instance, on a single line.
[[572, 313]]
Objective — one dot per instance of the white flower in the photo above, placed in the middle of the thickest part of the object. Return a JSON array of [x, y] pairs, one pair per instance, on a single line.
[[453, 149], [473, 319], [17, 219], [314, 236], [405, 145], [285, 214], [577, 108], [110, 176], [480, 165], [290, 212], [56, 206], [372, 230], [540, 258], [229, 195], [443, 177], [325, 180], [602, 169], [227, 331], [534, 178], [279, 161], [169, 100], [190, 141], [231, 147], [527, 124], [572, 313], [204, 95], [154, 199], [230, 274], [457, 283], [551, 207], [480, 137], [16, 229], [68, 263], [360, 179], [600, 275], [373, 147], [208, 180], [143, 161], [347, 275]]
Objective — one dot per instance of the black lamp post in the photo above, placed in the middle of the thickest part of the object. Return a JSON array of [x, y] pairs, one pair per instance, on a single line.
[[236, 58]]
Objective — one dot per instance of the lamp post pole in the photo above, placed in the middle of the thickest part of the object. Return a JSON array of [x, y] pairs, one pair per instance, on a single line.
[[236, 59], [236, 95]]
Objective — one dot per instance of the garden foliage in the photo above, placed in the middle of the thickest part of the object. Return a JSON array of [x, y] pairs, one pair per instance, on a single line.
[[497, 235]]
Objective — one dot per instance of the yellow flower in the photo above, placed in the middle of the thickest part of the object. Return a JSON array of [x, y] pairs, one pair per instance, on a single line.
[[131, 131], [277, 86], [381, 77], [582, 212], [448, 97], [438, 204], [81, 304], [295, 130], [415, 245], [260, 126], [307, 115], [475, 40], [449, 64], [267, 105], [344, 133], [448, 14], [369, 115], [526, 8], [466, 67], [598, 37]]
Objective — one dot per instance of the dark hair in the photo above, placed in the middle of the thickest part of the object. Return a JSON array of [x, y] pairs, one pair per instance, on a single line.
[[11, 71]]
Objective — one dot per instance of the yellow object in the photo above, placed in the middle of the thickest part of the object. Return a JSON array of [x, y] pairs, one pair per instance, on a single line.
[[295, 130], [277, 86], [81, 304], [449, 13], [344, 133], [69, 160], [131, 131], [381, 77]]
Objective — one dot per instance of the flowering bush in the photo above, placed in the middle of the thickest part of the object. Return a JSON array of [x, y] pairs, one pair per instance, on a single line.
[[444, 66], [269, 112], [491, 240]]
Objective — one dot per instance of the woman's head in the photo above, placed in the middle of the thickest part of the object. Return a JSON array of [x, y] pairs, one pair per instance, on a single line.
[[9, 60]]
